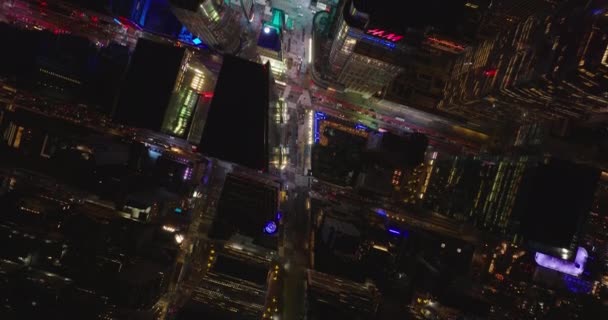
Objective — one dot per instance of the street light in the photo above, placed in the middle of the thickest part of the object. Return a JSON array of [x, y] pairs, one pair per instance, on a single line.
[[310, 50], [266, 30]]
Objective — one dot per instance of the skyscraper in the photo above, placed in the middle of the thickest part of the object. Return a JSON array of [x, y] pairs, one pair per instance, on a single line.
[[363, 58], [213, 21], [554, 201], [448, 70], [500, 183], [190, 98], [238, 129], [453, 186], [506, 14], [144, 99]]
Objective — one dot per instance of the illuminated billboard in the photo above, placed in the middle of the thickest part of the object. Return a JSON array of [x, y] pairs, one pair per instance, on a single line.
[[445, 45], [575, 268], [384, 34]]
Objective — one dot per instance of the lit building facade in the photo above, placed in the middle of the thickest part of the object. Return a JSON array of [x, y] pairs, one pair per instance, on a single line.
[[445, 65], [246, 6], [560, 45], [213, 21], [452, 187], [270, 49], [363, 59], [497, 193], [455, 74], [506, 14], [482, 191], [446, 72], [191, 96]]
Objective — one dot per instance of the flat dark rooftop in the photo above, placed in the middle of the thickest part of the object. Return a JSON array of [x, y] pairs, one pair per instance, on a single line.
[[241, 269], [558, 194], [149, 85], [245, 206], [236, 129], [270, 40]]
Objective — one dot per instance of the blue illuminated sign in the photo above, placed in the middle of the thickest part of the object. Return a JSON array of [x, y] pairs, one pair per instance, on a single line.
[[359, 126], [398, 232], [318, 116], [178, 210], [374, 40], [393, 231], [270, 228], [197, 41]]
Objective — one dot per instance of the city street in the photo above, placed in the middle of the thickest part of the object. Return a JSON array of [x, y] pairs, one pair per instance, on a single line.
[[295, 138], [238, 160], [303, 98]]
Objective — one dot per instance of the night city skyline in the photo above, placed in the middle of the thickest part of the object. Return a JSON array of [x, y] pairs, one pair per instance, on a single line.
[[304, 159]]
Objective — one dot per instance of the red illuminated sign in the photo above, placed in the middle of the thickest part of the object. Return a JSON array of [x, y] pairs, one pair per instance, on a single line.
[[446, 43], [490, 73], [384, 35]]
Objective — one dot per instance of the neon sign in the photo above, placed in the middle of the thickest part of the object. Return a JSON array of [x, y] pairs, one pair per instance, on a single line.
[[575, 268], [384, 35], [490, 73], [446, 43], [270, 228]]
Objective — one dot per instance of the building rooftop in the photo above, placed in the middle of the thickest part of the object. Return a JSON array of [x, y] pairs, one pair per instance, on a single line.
[[347, 295], [236, 129], [149, 84], [270, 38], [236, 283], [559, 193], [245, 207]]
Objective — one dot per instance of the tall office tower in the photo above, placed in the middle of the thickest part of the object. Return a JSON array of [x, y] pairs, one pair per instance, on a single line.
[[552, 205], [270, 48], [500, 182], [568, 35], [445, 53], [246, 279], [364, 54], [593, 51], [506, 14], [112, 63], [594, 233], [248, 207], [144, 99], [190, 99], [575, 47], [453, 186], [238, 127], [551, 72], [600, 203], [447, 71], [151, 15], [213, 21], [246, 6]]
